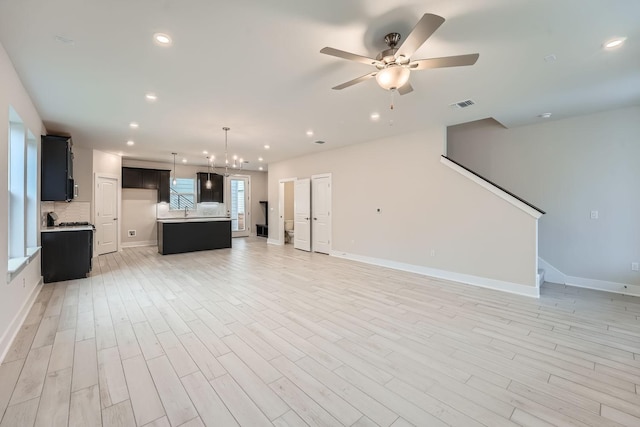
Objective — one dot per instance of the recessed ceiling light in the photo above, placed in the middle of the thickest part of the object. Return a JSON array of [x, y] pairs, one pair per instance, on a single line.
[[309, 132], [260, 159], [162, 39], [184, 160], [544, 115], [266, 147], [375, 117], [151, 97], [134, 125], [614, 43], [130, 142], [205, 152], [260, 168]]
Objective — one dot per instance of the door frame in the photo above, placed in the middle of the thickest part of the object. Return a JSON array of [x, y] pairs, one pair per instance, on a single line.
[[330, 219], [247, 207], [118, 207], [280, 239]]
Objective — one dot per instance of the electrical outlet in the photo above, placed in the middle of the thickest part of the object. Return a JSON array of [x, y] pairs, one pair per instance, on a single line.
[[433, 252], [132, 233], [634, 266]]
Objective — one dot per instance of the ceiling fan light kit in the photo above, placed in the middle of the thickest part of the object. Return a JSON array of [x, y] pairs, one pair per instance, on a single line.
[[394, 65]]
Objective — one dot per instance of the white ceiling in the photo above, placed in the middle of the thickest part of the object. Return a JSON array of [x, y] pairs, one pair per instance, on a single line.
[[255, 66]]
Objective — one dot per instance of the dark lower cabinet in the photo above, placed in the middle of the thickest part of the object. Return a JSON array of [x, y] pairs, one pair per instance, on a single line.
[[191, 236], [66, 254]]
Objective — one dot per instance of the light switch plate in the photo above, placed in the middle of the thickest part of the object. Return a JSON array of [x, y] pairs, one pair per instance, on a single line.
[[594, 214]]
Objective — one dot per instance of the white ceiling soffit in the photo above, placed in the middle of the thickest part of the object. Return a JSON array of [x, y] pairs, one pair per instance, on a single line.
[[255, 66]]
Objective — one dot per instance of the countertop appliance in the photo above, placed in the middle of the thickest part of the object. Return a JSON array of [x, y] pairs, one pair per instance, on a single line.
[[52, 217]]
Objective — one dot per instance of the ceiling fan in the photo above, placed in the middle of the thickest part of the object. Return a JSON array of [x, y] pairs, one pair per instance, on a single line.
[[393, 65]]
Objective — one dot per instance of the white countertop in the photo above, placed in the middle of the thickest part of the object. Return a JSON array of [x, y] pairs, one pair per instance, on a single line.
[[193, 219], [74, 228]]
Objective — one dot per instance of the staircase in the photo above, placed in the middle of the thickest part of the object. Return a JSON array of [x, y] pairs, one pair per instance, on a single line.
[[540, 277]]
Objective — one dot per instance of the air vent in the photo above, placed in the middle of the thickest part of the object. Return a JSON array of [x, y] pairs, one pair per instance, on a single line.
[[462, 104]]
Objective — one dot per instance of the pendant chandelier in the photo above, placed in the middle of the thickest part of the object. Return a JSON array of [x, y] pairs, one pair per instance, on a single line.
[[226, 129], [208, 184], [175, 181]]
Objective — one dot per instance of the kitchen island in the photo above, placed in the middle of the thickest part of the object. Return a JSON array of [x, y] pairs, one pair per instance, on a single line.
[[180, 235]]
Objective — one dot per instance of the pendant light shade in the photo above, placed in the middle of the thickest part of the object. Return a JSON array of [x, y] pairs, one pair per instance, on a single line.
[[208, 184], [174, 181]]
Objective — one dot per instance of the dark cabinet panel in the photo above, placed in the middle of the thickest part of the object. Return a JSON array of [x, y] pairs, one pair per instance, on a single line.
[[163, 186], [131, 178], [150, 178], [213, 194], [56, 168], [66, 255], [190, 236]]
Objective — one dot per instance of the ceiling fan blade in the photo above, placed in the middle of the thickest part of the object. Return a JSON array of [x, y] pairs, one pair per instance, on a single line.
[[426, 26], [446, 61], [355, 81], [347, 55], [407, 88]]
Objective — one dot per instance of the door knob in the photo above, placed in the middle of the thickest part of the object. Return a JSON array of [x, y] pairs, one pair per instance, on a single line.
[[307, 219], [315, 219]]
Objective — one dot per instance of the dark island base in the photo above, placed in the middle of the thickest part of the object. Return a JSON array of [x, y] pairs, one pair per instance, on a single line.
[[181, 237]]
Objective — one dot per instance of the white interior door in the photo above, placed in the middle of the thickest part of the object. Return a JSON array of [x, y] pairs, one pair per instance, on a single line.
[[302, 214], [106, 214], [240, 202], [321, 213]]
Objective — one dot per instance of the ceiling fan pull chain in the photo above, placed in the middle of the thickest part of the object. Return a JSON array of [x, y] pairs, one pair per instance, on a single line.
[[392, 91]]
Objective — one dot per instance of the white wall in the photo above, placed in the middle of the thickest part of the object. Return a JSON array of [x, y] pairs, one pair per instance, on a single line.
[[139, 214], [424, 206], [17, 296], [569, 168]]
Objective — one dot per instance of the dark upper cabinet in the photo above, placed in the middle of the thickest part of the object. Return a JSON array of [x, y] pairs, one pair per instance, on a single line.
[[163, 186], [56, 169], [150, 179], [213, 194], [131, 178]]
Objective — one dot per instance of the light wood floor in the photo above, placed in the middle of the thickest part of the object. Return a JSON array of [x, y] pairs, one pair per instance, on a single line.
[[264, 335]]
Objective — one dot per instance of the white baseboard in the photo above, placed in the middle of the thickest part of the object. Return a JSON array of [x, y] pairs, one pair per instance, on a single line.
[[551, 274], [554, 275], [603, 285], [139, 244], [274, 242], [14, 327], [483, 282]]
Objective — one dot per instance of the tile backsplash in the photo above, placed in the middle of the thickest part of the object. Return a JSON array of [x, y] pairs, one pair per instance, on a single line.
[[202, 210], [67, 212]]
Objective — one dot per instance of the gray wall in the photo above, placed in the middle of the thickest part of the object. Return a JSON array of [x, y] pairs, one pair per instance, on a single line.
[[569, 168]]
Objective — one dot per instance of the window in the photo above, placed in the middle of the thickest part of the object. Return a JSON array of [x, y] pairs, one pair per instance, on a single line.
[[23, 193], [182, 195]]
